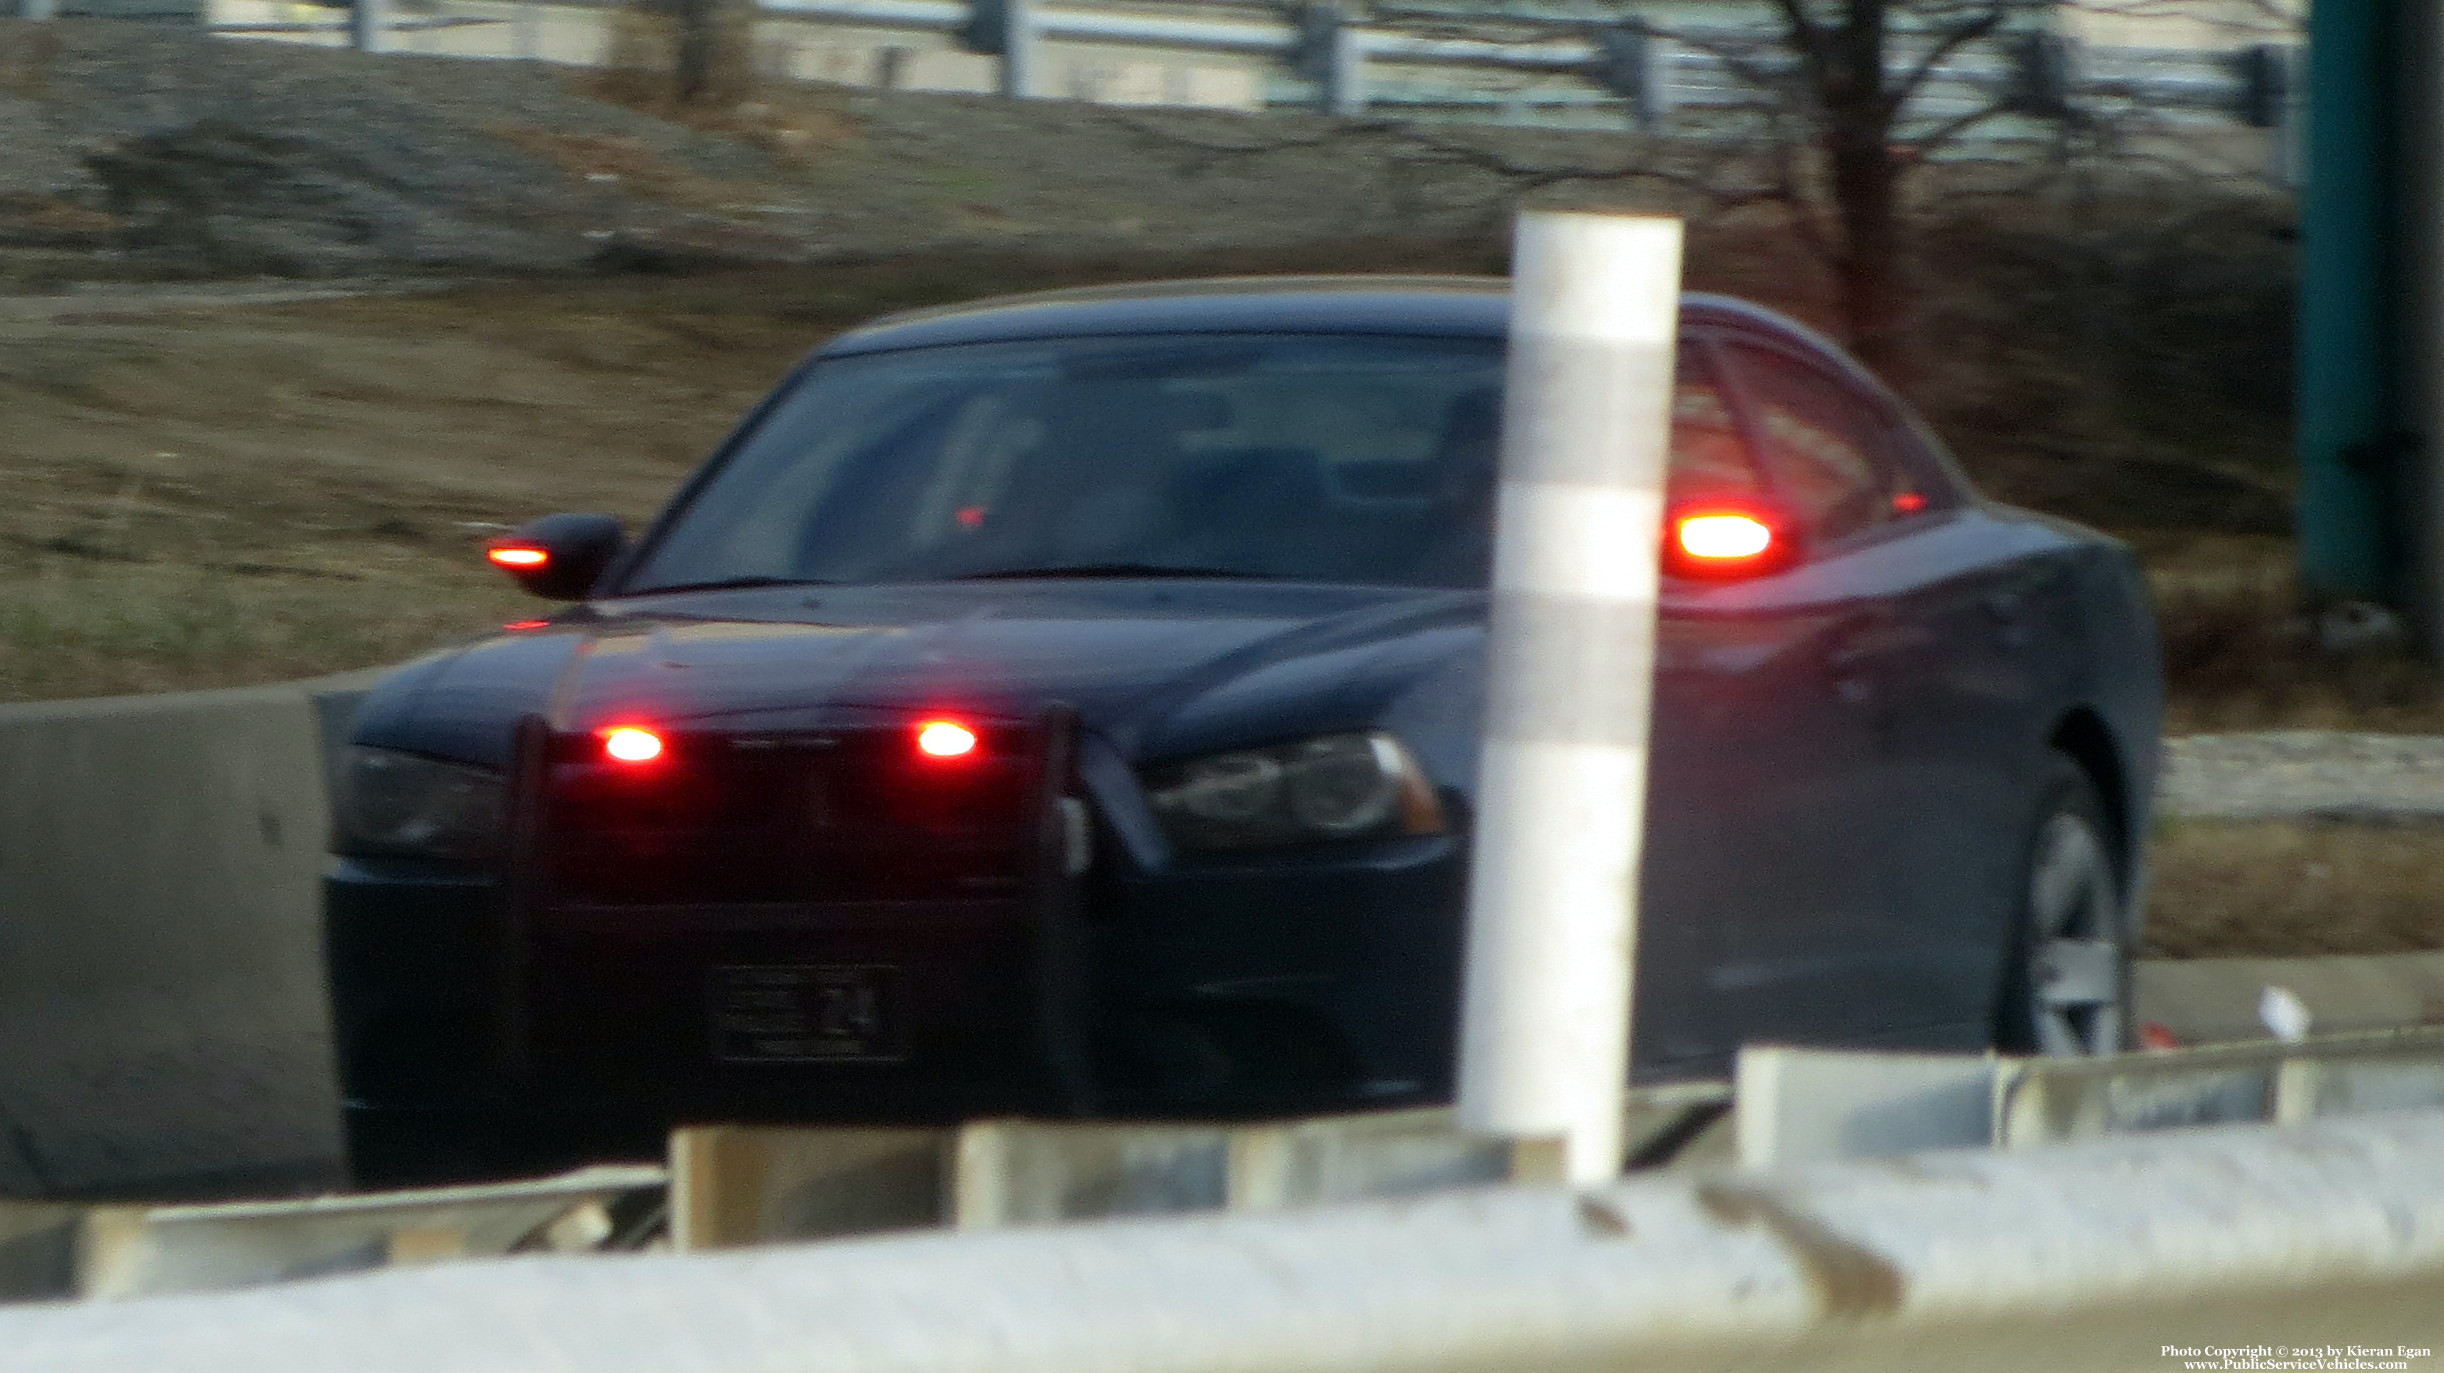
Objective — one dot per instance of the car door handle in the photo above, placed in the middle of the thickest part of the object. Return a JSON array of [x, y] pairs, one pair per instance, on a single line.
[[1847, 662], [1858, 644], [2008, 612]]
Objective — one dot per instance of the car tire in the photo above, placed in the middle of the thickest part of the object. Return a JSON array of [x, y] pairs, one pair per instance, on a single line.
[[2066, 979]]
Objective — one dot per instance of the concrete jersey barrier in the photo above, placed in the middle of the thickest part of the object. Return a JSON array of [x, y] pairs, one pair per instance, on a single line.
[[162, 1016], [2090, 1257]]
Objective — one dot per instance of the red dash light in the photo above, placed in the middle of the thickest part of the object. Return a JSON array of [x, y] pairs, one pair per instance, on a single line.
[[1908, 503], [628, 744], [945, 739], [1723, 537], [518, 559]]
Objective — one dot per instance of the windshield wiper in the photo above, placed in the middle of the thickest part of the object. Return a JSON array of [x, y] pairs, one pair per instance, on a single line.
[[727, 584], [1109, 570]]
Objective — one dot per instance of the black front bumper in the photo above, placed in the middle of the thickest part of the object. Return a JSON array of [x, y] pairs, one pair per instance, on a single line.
[[465, 1050], [621, 1022], [763, 935]]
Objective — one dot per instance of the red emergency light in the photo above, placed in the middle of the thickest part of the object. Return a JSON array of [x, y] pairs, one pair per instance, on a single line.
[[945, 739], [1722, 537], [631, 744], [1726, 540]]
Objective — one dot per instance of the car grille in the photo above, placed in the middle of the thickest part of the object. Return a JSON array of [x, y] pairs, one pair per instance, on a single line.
[[839, 815]]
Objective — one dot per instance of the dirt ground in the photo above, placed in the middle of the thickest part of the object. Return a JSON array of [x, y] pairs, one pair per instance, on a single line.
[[2295, 888]]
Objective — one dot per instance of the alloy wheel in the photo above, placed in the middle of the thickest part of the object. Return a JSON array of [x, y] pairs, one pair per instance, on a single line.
[[2075, 979]]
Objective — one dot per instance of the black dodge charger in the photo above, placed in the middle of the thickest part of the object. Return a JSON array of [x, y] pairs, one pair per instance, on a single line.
[[1068, 703]]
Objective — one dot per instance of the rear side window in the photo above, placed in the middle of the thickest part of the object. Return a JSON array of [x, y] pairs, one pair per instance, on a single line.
[[1710, 457], [1820, 442]]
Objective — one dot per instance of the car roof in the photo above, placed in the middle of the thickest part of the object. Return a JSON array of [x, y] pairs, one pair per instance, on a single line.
[[1441, 306]]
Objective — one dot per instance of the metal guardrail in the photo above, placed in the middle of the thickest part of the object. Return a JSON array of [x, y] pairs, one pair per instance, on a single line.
[[1620, 74], [1812, 1105], [1550, 69], [2051, 1101], [730, 1186], [132, 1251], [2086, 1257]]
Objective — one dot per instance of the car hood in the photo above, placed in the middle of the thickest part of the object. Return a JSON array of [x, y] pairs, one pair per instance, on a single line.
[[1156, 667]]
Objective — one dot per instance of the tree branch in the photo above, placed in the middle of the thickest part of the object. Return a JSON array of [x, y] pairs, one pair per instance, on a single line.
[[1951, 42], [1519, 176], [1808, 37], [1953, 128]]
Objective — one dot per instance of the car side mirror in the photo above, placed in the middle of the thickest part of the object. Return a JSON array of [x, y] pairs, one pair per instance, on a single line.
[[559, 557]]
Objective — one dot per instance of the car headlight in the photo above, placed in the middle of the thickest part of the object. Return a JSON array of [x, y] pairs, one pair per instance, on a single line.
[[399, 804], [1341, 786]]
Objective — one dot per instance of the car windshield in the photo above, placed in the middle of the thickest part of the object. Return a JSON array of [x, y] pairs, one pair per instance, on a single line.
[[1307, 457]]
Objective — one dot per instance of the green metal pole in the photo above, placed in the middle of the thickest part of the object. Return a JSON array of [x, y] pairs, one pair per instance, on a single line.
[[2345, 433]]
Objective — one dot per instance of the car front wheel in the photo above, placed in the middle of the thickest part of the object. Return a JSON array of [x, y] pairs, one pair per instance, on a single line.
[[2066, 986]]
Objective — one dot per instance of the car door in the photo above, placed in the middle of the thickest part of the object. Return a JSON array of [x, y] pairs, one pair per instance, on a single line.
[[1930, 661], [1754, 895]]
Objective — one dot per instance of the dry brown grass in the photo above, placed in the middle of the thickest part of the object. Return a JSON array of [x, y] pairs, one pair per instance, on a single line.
[[27, 53], [201, 498], [2285, 888], [793, 125], [791, 122], [640, 68], [2241, 648], [626, 161]]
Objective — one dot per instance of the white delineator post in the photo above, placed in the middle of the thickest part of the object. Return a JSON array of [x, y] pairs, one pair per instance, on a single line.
[[369, 25], [1020, 49], [1552, 902]]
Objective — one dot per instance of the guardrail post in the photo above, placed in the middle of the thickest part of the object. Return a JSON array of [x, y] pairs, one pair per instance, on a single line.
[[2269, 100], [369, 25], [1637, 65], [1552, 939], [1332, 53], [891, 67], [2044, 71], [1006, 29]]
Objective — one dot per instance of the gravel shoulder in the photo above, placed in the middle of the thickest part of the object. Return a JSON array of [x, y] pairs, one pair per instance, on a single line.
[[187, 154]]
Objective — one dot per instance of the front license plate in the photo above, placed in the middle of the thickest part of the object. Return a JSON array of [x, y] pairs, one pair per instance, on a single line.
[[806, 1015]]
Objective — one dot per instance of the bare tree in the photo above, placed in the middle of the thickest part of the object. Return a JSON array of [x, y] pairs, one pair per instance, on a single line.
[[1843, 87], [1840, 85]]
